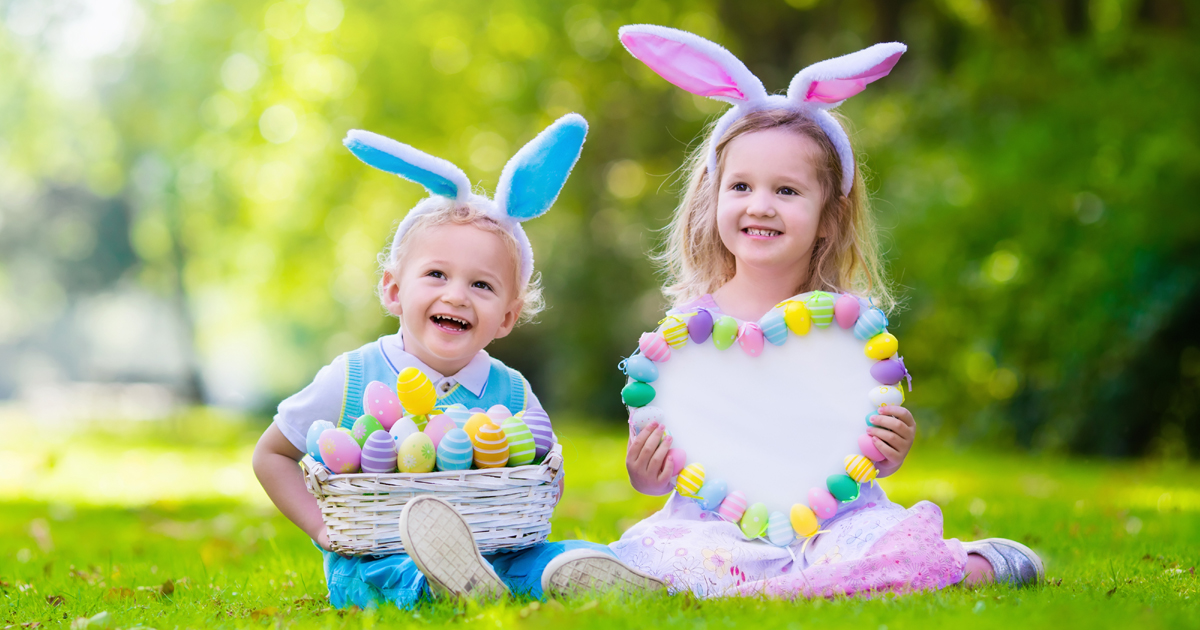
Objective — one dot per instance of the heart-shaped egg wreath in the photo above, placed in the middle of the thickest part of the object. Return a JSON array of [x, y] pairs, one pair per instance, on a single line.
[[778, 426]]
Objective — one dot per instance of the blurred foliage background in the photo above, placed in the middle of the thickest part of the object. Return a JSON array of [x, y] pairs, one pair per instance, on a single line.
[[177, 211]]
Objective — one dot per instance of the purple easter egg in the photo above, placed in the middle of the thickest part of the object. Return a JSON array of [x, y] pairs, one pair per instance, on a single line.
[[888, 371], [543, 434], [379, 453], [700, 326], [846, 310]]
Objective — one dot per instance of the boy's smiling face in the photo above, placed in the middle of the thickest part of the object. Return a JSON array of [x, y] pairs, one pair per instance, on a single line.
[[454, 293]]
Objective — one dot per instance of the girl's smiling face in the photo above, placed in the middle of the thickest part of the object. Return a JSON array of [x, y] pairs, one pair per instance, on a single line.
[[455, 292], [769, 202]]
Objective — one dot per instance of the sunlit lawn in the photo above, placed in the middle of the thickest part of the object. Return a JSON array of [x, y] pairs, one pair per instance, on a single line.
[[162, 525]]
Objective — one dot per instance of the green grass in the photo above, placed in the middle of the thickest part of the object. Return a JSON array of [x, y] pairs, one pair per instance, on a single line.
[[163, 526]]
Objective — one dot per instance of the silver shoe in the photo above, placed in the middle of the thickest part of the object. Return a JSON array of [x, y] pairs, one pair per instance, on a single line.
[[440, 543], [588, 571], [1011, 561]]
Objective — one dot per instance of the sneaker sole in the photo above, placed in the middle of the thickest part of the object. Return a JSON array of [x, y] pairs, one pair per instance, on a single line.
[[440, 543], [595, 572]]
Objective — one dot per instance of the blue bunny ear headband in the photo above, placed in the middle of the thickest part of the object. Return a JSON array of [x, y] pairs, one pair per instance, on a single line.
[[529, 183]]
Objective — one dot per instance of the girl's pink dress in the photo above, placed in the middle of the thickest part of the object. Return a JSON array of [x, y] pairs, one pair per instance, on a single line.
[[870, 545]]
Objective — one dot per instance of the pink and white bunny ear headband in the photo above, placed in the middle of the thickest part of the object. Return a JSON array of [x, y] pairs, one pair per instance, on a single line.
[[529, 183], [707, 69]]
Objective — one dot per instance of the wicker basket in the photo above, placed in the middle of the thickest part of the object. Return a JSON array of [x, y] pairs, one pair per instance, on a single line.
[[507, 508]]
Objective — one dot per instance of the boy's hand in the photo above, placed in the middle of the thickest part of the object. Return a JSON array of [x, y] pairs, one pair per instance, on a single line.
[[322, 539], [893, 432], [650, 468]]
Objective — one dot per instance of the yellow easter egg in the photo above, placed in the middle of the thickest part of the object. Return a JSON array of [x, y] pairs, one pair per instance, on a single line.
[[690, 480], [491, 446], [804, 520], [797, 318], [415, 391], [474, 423], [675, 331], [860, 468], [882, 346], [416, 454]]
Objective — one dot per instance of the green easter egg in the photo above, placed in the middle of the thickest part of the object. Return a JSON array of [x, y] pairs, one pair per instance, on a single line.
[[724, 332], [521, 447], [364, 427], [637, 394], [820, 304], [842, 487], [754, 521]]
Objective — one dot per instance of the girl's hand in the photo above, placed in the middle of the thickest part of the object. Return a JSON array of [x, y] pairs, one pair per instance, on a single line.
[[650, 470], [893, 432]]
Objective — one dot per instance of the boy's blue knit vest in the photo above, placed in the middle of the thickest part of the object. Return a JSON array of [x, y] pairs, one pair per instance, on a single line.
[[505, 386]]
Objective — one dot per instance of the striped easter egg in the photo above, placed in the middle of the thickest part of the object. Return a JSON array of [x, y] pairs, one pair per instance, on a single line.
[[866, 444], [339, 451], [476, 421], [543, 434], [733, 506], [380, 401], [724, 332], [364, 427], [779, 530], [379, 453], [820, 305], [797, 317], [846, 310], [700, 325], [842, 487], [314, 434], [416, 454], [860, 468], [675, 331], [415, 391], [882, 346], [822, 502], [690, 479], [774, 328], [459, 413], [654, 347], [804, 520], [754, 521], [886, 395], [521, 448], [750, 338], [455, 452], [499, 413], [712, 493], [491, 447], [870, 323]]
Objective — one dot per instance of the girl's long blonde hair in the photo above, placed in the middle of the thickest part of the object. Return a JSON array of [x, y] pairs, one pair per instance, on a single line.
[[697, 262]]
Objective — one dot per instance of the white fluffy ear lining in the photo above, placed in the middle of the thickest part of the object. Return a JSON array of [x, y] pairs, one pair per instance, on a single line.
[[692, 63], [438, 176]]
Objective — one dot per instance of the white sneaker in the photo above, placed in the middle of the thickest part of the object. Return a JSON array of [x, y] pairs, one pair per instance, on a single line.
[[581, 571], [440, 543]]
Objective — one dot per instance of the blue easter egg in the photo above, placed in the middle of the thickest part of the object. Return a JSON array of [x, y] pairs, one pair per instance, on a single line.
[[870, 415], [455, 451], [700, 326], [870, 323], [639, 368], [712, 493], [774, 328], [310, 439], [459, 413], [779, 530]]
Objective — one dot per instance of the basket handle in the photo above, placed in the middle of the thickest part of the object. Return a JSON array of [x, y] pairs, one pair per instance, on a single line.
[[314, 474]]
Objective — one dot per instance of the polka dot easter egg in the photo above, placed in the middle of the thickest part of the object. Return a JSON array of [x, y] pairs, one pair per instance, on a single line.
[[521, 448], [455, 451], [641, 418], [438, 427], [754, 521], [820, 304], [364, 427], [416, 454], [339, 451], [882, 346], [797, 317], [314, 433], [870, 323], [733, 507], [379, 453], [860, 468], [886, 395], [639, 368], [773, 327], [403, 428], [846, 310], [779, 530], [712, 493], [822, 503], [690, 479], [750, 338], [654, 347], [381, 402], [415, 391], [675, 331], [700, 326], [498, 413], [724, 332], [491, 447], [543, 434]]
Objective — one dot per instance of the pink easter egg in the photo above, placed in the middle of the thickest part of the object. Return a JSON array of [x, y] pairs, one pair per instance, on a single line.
[[654, 347], [381, 402], [499, 413], [750, 338], [678, 459], [379, 453], [733, 506], [866, 444], [339, 451], [438, 427], [543, 434], [822, 503], [846, 310]]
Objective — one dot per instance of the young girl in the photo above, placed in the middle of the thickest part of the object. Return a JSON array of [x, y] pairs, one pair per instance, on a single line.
[[776, 207], [458, 275]]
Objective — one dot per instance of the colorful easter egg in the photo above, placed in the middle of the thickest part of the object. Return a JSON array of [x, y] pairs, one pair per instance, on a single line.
[[379, 453], [380, 401], [846, 310], [416, 454], [521, 447], [415, 391], [675, 331], [491, 446], [420, 421], [804, 520], [691, 478], [712, 493], [823, 504], [678, 459], [339, 451], [637, 394], [346, 430], [314, 433], [779, 530], [438, 427], [866, 444], [455, 451], [882, 346], [751, 339], [860, 468], [364, 427], [724, 332], [754, 521], [797, 317], [842, 487], [870, 323], [654, 347], [700, 325], [543, 434], [642, 417], [774, 328], [476, 421], [459, 413], [499, 413], [889, 371], [403, 428], [886, 395], [733, 507], [820, 305], [639, 368], [870, 415]]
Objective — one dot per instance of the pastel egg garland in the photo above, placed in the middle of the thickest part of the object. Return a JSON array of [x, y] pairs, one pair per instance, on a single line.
[[796, 316]]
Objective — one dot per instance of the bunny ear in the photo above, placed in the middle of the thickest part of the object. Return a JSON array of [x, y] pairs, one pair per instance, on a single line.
[[827, 83], [534, 176], [438, 176], [692, 63]]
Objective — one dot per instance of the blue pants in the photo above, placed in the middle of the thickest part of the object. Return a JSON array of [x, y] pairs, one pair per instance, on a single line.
[[364, 582]]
